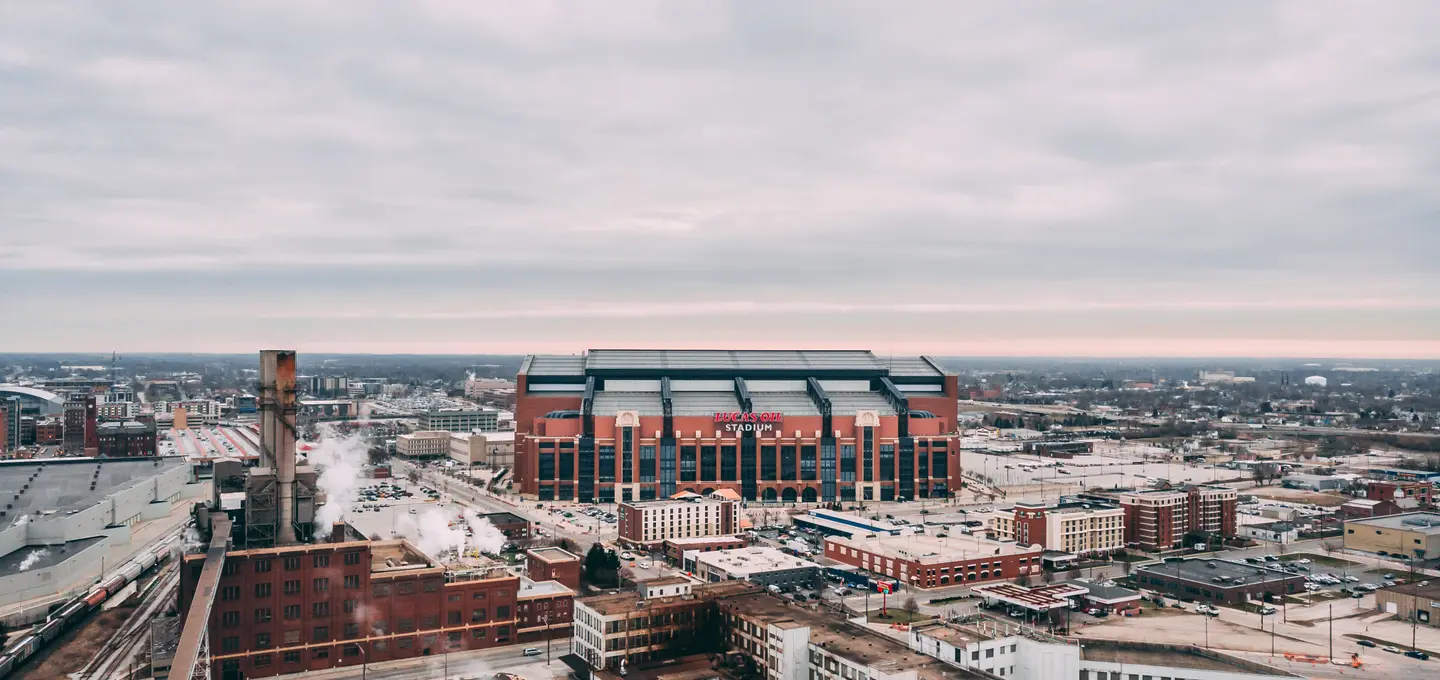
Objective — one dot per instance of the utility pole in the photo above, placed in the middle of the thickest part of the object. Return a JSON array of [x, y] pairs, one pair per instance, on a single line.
[[1332, 631]]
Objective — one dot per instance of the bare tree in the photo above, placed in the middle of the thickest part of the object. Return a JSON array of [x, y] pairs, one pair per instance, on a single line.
[[910, 606], [1047, 576]]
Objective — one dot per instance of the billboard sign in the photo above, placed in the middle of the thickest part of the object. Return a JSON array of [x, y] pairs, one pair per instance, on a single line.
[[739, 421]]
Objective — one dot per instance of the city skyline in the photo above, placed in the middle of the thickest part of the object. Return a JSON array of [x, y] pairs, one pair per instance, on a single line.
[[1234, 179]]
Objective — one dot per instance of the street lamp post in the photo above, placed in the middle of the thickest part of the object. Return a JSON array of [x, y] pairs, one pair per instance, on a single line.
[[364, 660]]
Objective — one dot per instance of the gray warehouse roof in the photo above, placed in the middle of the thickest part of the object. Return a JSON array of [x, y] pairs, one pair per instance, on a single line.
[[63, 484]]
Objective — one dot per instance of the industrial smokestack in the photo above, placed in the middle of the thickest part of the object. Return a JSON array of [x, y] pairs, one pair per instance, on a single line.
[[277, 432]]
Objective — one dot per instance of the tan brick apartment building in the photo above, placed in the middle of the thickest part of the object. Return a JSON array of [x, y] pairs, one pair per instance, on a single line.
[[1077, 528], [806, 426], [648, 525]]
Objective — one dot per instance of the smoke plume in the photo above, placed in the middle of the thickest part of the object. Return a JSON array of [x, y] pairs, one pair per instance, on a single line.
[[483, 534], [431, 533], [341, 461], [32, 558]]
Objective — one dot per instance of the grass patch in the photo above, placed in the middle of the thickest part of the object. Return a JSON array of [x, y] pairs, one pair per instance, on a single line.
[[1322, 560], [895, 615]]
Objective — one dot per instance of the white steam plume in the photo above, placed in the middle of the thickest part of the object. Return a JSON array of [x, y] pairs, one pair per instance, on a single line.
[[431, 533], [22, 520], [341, 461], [190, 539], [483, 534], [32, 558]]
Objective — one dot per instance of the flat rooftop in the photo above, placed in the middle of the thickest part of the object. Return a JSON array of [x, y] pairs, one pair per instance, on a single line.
[[928, 549], [702, 540], [1172, 656], [505, 518], [42, 556], [689, 499], [1427, 523], [1207, 570], [62, 485], [624, 601], [396, 555], [554, 554], [1111, 593], [743, 562], [959, 637], [835, 635], [529, 588]]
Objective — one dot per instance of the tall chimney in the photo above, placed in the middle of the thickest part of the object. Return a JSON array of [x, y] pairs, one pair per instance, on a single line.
[[277, 432]]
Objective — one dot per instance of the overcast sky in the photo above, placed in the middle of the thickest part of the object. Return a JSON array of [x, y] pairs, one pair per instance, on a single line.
[[1096, 178]]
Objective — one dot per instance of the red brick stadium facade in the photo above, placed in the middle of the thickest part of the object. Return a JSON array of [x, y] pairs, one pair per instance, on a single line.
[[808, 426]]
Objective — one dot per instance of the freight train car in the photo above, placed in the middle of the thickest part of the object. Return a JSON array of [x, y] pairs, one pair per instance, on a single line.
[[76, 610]]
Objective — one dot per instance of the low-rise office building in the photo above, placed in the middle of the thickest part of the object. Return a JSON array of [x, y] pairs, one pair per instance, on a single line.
[[923, 561], [460, 420], [675, 548], [423, 444], [1272, 532], [759, 565], [1219, 581], [515, 527], [554, 564], [1401, 534]]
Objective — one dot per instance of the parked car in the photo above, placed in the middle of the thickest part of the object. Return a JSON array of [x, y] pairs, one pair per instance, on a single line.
[[1365, 643], [1392, 649], [1417, 654]]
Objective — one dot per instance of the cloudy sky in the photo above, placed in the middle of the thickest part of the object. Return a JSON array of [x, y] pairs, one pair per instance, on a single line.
[[1092, 178]]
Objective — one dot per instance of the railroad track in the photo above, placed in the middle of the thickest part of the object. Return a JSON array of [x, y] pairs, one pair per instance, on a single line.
[[116, 658]]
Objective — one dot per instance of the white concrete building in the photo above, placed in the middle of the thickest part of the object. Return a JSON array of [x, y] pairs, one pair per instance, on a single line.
[[1007, 650], [1283, 533], [67, 513]]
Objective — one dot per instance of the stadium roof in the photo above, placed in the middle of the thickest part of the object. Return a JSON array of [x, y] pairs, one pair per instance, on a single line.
[[51, 402], [622, 363]]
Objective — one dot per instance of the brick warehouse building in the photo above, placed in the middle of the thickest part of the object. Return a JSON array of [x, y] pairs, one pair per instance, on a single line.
[[314, 606], [924, 561], [834, 425]]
